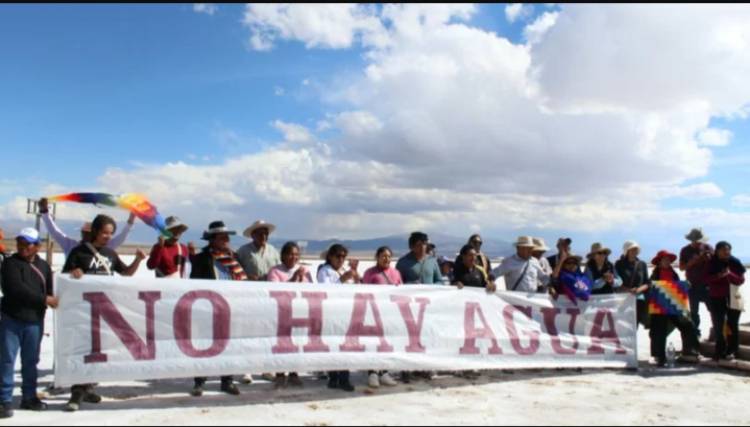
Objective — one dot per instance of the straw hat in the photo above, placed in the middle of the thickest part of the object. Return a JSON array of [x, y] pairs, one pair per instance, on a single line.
[[258, 225], [540, 246], [598, 247], [174, 223], [525, 242]]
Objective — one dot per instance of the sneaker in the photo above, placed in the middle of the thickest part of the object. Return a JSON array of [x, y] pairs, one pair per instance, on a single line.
[[373, 381], [33, 405], [246, 379], [197, 391], [387, 380], [74, 404], [279, 382], [730, 357], [6, 410], [230, 388], [295, 381]]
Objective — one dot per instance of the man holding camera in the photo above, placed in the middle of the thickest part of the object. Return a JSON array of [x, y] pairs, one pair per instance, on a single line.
[[693, 259]]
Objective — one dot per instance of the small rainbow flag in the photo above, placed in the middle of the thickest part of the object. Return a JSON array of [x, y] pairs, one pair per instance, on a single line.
[[669, 298], [135, 203]]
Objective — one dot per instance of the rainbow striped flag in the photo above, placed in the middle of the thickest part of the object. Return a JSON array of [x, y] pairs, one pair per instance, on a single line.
[[669, 298]]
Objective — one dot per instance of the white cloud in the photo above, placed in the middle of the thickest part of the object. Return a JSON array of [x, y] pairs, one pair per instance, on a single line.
[[515, 11], [534, 32], [278, 91], [207, 8], [702, 191], [714, 137], [741, 201], [293, 132]]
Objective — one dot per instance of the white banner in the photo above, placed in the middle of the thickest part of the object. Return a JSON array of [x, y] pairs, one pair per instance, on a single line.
[[113, 329]]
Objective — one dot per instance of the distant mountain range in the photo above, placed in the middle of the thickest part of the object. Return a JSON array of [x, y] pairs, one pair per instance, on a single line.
[[446, 245]]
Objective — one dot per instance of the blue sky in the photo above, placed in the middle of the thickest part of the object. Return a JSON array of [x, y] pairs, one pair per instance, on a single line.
[[88, 89]]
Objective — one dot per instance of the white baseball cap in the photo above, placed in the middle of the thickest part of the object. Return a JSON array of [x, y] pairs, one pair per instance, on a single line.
[[30, 235]]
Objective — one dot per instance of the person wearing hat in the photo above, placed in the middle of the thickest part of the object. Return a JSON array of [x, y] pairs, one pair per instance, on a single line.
[[169, 257], [601, 271], [568, 280], [259, 257], [446, 269], [725, 272], [563, 247], [660, 323], [522, 272], [68, 244], [538, 253], [217, 261], [27, 285], [635, 279], [694, 260], [95, 257]]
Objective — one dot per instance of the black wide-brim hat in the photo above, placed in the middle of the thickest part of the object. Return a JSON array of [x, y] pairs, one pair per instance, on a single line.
[[217, 227]]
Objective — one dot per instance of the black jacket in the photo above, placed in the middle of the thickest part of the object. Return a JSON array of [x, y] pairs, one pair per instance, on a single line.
[[24, 290], [203, 265]]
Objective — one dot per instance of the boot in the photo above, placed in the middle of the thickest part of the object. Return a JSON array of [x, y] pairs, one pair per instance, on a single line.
[[76, 397]]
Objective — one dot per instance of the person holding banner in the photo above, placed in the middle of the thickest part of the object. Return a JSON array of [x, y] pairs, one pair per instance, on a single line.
[[568, 280], [669, 303], [382, 274], [96, 257], [27, 292], [601, 271], [68, 244], [332, 272], [417, 267], [522, 272], [217, 261], [289, 270], [467, 272], [258, 257], [169, 257], [724, 275]]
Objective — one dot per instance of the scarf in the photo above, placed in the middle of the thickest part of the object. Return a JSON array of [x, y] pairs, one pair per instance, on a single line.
[[229, 262]]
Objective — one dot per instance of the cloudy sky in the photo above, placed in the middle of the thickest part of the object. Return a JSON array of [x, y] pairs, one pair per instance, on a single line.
[[602, 122]]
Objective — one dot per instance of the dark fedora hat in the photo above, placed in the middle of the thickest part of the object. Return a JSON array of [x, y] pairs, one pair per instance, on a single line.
[[217, 227]]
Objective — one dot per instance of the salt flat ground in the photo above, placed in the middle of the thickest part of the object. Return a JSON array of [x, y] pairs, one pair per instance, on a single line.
[[684, 395]]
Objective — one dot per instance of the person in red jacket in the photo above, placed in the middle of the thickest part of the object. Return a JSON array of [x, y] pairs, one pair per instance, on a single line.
[[724, 270], [169, 257]]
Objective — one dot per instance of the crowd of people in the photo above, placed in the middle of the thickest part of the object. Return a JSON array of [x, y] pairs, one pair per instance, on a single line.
[[713, 275]]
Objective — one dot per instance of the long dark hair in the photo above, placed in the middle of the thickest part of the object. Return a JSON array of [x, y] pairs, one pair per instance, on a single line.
[[381, 250], [717, 265], [334, 249], [99, 223]]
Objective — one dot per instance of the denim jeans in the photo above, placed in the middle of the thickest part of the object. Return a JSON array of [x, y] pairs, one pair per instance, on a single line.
[[26, 337]]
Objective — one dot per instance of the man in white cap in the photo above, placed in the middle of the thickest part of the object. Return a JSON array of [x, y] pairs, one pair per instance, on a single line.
[[694, 259], [522, 272], [635, 279], [27, 292], [67, 243], [259, 257]]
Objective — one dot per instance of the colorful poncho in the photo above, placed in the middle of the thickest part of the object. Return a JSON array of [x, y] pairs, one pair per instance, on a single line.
[[669, 298]]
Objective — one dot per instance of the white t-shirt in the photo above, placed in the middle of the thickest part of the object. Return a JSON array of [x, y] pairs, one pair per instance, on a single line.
[[328, 274]]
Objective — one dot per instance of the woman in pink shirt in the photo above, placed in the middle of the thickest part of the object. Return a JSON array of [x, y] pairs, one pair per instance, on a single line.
[[382, 274], [290, 270]]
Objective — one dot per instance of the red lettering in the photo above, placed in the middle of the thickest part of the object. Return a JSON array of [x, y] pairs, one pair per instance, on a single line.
[[414, 328], [510, 326], [183, 323], [357, 327], [472, 333], [313, 323], [598, 335], [103, 308], [549, 320]]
